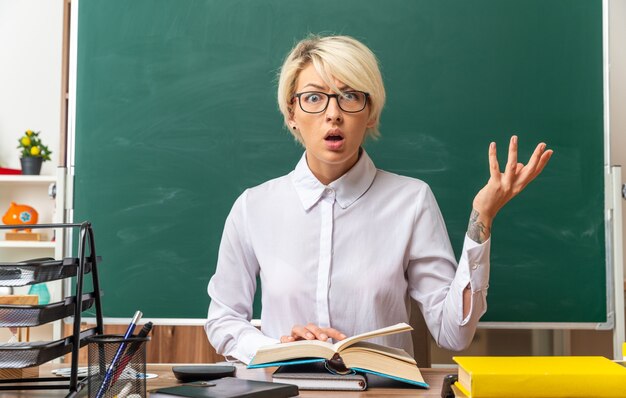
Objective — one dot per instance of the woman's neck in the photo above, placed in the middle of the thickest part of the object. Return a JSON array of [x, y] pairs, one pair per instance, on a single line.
[[329, 172]]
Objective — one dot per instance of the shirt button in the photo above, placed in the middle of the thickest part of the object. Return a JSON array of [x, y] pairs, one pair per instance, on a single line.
[[328, 191], [475, 266]]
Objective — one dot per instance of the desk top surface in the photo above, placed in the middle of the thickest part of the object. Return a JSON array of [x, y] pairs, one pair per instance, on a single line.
[[434, 377]]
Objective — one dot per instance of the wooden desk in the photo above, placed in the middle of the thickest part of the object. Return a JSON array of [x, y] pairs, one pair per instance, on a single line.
[[434, 377]]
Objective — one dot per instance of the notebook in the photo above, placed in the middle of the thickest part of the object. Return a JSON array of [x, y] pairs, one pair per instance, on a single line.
[[314, 376]]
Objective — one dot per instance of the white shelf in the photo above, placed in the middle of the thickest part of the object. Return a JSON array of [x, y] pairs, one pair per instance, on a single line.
[[32, 179], [19, 244]]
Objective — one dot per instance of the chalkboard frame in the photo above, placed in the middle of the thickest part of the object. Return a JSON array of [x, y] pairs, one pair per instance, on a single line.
[[609, 230]]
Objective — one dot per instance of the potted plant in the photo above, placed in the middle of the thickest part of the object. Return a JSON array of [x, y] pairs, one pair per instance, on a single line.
[[34, 152]]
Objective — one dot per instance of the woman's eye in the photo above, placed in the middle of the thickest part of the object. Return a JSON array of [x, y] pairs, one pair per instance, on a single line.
[[351, 96], [312, 98]]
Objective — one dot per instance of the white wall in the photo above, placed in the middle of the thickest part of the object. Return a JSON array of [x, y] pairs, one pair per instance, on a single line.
[[30, 76], [617, 76]]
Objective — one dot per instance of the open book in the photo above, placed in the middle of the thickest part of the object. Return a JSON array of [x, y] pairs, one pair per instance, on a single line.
[[353, 352]]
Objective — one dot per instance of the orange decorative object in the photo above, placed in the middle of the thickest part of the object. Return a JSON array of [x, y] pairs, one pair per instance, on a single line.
[[20, 214]]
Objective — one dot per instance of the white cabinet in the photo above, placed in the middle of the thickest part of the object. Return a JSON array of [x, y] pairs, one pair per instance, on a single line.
[[33, 191]]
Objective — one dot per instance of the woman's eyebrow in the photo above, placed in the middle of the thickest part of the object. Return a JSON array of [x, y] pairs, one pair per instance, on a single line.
[[317, 86], [323, 88]]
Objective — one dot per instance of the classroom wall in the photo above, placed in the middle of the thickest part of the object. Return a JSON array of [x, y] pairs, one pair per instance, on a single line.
[[30, 80], [30, 76], [30, 87]]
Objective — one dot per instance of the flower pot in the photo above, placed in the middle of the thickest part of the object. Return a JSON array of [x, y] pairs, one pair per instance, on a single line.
[[31, 165]]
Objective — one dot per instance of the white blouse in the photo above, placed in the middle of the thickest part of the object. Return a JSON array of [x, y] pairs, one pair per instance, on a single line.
[[346, 255]]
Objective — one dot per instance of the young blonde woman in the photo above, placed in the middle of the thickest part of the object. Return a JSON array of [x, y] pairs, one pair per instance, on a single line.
[[339, 245]]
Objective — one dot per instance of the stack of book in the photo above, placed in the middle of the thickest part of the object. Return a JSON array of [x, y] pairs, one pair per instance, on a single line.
[[548, 377], [355, 356]]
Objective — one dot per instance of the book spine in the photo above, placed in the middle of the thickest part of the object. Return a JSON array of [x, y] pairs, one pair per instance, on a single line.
[[554, 386]]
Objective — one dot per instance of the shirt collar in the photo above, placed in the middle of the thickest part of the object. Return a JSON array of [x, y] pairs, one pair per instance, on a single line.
[[348, 188]]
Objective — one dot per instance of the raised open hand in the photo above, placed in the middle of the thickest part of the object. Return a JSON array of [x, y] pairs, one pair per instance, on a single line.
[[502, 187]]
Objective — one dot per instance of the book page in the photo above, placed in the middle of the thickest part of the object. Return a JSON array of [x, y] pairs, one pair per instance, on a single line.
[[396, 353], [397, 328], [293, 350]]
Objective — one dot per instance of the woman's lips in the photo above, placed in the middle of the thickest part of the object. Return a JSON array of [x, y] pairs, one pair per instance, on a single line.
[[334, 139], [334, 142]]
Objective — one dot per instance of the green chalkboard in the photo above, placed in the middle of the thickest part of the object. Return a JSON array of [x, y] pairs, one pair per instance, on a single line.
[[176, 116]]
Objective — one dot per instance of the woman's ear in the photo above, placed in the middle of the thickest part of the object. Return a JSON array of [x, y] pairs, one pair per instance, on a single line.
[[290, 121], [292, 124], [371, 123]]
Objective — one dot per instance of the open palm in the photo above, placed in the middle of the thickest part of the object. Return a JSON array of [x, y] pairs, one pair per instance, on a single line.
[[502, 187]]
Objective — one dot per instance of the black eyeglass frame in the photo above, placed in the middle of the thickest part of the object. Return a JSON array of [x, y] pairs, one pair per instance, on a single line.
[[328, 97]]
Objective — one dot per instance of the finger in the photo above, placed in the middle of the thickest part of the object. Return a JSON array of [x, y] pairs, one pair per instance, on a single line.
[[335, 334], [528, 173], [512, 161], [317, 332], [519, 168], [286, 339], [300, 332], [543, 161], [534, 158], [494, 167], [527, 177]]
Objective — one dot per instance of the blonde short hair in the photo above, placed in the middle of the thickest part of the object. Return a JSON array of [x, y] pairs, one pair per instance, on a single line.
[[340, 57]]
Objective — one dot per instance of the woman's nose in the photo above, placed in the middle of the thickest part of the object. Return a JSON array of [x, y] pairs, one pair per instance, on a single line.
[[333, 111]]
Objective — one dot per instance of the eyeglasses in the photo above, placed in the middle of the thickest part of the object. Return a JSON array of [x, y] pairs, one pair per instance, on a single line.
[[317, 102]]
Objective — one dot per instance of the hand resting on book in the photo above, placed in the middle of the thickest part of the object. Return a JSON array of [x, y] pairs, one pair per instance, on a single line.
[[312, 332]]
